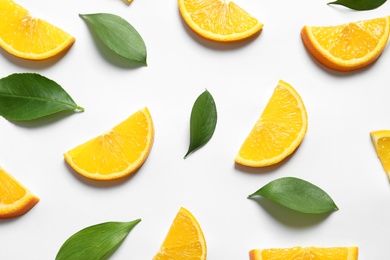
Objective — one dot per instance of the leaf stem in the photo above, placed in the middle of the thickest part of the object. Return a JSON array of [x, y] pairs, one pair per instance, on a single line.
[[80, 108]]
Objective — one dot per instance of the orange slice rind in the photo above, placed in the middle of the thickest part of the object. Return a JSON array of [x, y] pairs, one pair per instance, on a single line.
[[279, 130], [116, 153], [219, 20], [305, 253], [15, 199], [184, 240], [381, 141], [28, 37], [348, 46]]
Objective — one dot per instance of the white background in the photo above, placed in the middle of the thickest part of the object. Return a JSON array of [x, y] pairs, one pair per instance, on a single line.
[[336, 153]]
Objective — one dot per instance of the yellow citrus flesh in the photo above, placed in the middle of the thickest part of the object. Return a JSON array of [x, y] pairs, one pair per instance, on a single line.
[[305, 253], [219, 20], [117, 153], [279, 130], [185, 239], [28, 37], [381, 142], [349, 46], [15, 199]]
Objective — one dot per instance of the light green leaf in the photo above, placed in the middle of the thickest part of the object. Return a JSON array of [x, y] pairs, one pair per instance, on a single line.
[[118, 35], [203, 121], [297, 194], [95, 242], [359, 5], [27, 96]]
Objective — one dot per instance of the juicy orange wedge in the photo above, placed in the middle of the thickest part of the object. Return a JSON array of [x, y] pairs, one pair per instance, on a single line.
[[29, 37], [185, 239], [15, 199], [348, 46], [219, 20], [381, 142], [116, 153], [279, 130], [305, 253]]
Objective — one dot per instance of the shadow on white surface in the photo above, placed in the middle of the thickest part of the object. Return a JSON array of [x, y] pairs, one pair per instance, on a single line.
[[287, 216], [96, 183], [33, 64], [265, 169], [44, 121]]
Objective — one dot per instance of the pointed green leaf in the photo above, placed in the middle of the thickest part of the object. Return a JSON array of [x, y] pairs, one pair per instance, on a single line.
[[298, 195], [27, 96], [95, 242], [118, 35], [359, 5], [203, 121]]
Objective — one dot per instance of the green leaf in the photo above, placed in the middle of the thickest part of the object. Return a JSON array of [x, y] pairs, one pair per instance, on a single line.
[[203, 121], [27, 96], [95, 242], [118, 35], [298, 195], [359, 5]]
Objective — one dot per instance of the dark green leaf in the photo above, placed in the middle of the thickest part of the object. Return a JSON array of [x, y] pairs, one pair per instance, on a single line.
[[359, 5], [298, 195], [27, 96], [95, 242], [118, 35], [203, 121]]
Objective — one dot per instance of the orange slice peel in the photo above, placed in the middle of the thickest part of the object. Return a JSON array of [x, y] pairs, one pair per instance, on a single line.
[[184, 240], [117, 153], [381, 141], [279, 130], [349, 46], [305, 253], [219, 20], [29, 37], [15, 199]]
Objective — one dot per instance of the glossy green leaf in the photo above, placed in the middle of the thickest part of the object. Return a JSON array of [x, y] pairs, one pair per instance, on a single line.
[[118, 35], [26, 96], [203, 121], [95, 242], [298, 195], [359, 5]]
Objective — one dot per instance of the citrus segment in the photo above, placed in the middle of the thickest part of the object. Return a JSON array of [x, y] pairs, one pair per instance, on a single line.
[[117, 153], [184, 240], [29, 37], [279, 130], [15, 199], [381, 142], [305, 253], [219, 20], [348, 46]]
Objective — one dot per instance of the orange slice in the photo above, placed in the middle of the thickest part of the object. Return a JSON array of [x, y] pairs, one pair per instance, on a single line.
[[29, 37], [381, 142], [305, 253], [279, 130], [348, 46], [116, 153], [219, 20], [184, 240], [15, 199]]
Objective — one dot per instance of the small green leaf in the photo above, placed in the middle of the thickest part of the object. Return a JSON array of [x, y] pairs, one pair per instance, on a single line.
[[95, 242], [118, 35], [203, 121], [359, 5], [297, 194], [27, 96]]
